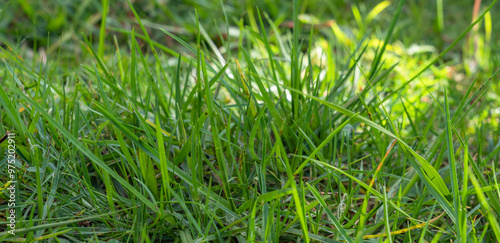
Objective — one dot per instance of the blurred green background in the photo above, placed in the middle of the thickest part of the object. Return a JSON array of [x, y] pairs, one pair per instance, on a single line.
[[47, 24], [56, 29]]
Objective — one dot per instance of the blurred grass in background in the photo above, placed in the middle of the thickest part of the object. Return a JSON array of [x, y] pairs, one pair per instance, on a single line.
[[55, 28], [48, 24]]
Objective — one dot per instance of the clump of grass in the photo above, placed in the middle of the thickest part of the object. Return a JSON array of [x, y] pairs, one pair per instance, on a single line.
[[271, 135]]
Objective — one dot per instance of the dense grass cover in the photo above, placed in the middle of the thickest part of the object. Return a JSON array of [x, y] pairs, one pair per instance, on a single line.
[[275, 125]]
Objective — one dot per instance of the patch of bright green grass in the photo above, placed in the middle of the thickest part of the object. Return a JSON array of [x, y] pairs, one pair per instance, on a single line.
[[274, 131]]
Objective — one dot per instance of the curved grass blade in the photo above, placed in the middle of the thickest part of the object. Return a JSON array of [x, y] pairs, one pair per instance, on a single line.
[[86, 151], [432, 174], [62, 223], [397, 232]]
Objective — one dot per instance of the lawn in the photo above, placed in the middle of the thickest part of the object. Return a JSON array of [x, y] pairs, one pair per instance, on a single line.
[[249, 121]]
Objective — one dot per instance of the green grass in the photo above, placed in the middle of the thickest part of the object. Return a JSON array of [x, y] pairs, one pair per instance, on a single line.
[[258, 122]]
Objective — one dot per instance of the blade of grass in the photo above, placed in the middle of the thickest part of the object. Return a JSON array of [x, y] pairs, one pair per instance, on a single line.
[[102, 32], [379, 54], [296, 197], [335, 222], [221, 160], [453, 167]]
